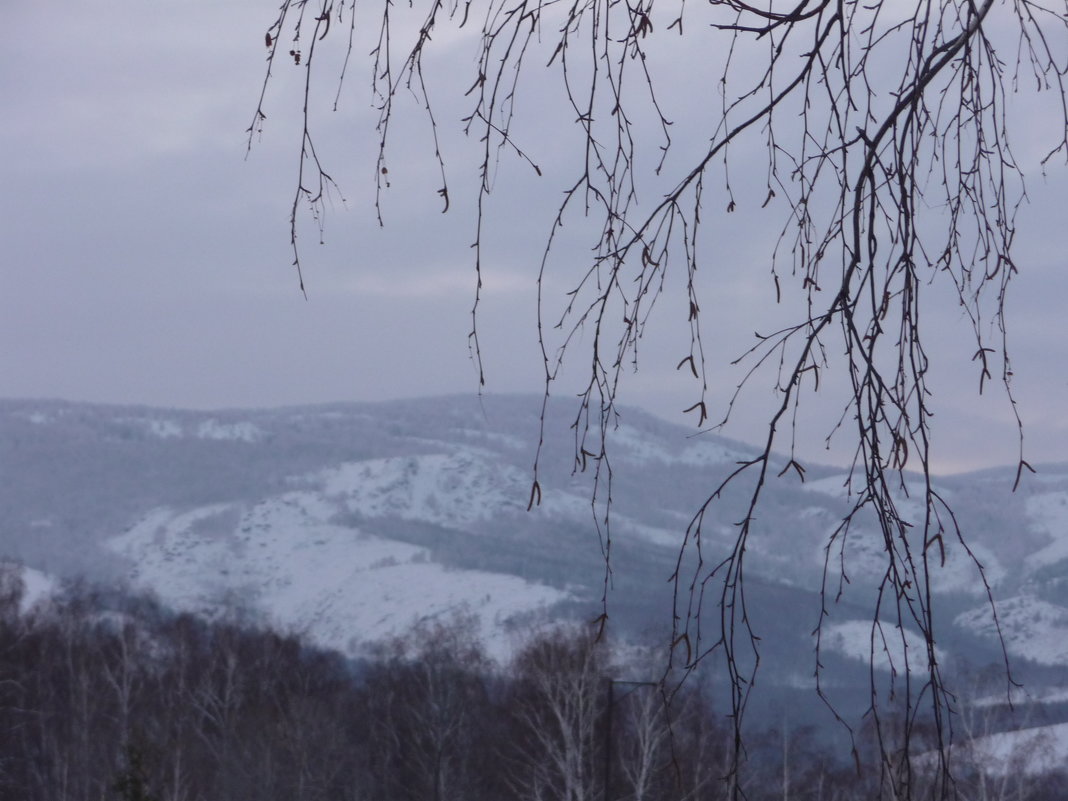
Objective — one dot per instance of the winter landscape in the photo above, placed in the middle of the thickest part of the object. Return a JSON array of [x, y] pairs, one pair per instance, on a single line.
[[756, 483], [272, 568]]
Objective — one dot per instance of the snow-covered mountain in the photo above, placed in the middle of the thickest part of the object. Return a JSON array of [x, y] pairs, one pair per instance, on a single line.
[[348, 523]]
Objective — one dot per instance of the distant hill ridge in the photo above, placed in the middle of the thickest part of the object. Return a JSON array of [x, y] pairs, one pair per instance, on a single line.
[[350, 522]]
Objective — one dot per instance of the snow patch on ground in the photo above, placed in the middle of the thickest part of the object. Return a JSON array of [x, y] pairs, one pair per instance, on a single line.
[[1047, 475], [1048, 513], [37, 588], [455, 490], [663, 537], [862, 551], [854, 639], [1031, 752], [338, 586], [909, 502], [164, 429], [240, 432], [640, 447], [507, 440], [837, 486], [1032, 628], [865, 557], [637, 446], [558, 504], [176, 555], [568, 506], [1022, 695]]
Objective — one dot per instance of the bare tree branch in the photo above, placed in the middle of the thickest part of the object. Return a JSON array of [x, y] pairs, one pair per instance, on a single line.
[[886, 131]]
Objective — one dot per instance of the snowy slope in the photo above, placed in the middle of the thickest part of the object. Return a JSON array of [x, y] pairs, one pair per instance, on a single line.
[[1031, 628], [455, 489], [885, 647], [349, 522], [1048, 514], [338, 586], [1024, 752]]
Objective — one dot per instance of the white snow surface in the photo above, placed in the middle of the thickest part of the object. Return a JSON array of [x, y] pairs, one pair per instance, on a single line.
[[864, 549], [455, 489], [637, 446], [842, 485], [1048, 513], [168, 428], [164, 429], [1031, 752], [1032, 628], [640, 448], [1022, 695], [508, 440], [853, 639], [865, 556], [339, 587], [837, 486], [37, 588], [665, 538], [241, 432]]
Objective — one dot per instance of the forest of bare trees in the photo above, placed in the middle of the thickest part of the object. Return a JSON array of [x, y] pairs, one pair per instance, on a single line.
[[104, 697]]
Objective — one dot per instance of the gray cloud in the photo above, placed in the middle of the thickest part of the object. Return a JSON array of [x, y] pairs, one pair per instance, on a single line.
[[146, 260]]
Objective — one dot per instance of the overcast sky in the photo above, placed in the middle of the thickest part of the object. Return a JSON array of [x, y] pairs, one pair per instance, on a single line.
[[146, 259]]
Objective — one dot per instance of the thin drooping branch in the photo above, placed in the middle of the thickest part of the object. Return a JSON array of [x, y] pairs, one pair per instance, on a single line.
[[885, 134]]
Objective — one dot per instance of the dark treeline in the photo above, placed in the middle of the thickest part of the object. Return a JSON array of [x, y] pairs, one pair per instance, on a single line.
[[107, 699]]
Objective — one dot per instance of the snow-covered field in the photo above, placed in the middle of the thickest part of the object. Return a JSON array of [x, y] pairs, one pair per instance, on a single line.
[[1032, 628], [350, 523], [886, 647], [339, 586], [1027, 752], [639, 447], [1049, 514], [37, 587], [451, 489]]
